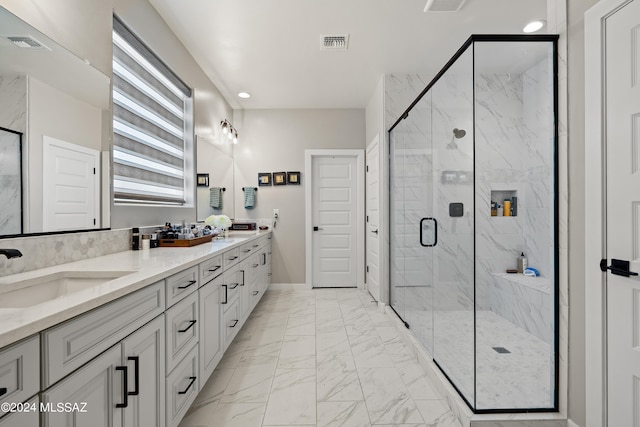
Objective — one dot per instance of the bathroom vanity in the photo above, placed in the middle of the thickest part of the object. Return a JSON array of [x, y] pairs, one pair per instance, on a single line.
[[133, 347]]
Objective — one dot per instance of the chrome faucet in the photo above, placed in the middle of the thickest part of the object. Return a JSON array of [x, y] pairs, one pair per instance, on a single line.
[[10, 253]]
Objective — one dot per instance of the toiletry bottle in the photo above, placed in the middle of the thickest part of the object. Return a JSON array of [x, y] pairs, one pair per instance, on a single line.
[[500, 210], [514, 206], [135, 239], [507, 207], [522, 263], [494, 210]]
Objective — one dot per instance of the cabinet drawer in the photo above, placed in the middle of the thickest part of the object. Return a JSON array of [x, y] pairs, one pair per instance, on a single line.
[[182, 388], [181, 284], [230, 258], [230, 287], [20, 371], [210, 269], [71, 344], [246, 250], [24, 419], [231, 323], [182, 329]]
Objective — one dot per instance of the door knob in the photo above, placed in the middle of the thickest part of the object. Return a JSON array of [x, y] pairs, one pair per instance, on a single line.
[[316, 228], [618, 267]]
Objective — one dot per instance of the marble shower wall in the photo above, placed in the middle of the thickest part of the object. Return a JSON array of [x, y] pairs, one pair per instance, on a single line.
[[49, 250], [10, 184], [13, 102]]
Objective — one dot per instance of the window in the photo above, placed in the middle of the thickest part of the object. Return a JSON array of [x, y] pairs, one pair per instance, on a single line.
[[151, 131]]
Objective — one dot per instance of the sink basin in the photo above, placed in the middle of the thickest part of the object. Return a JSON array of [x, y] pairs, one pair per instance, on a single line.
[[27, 293]]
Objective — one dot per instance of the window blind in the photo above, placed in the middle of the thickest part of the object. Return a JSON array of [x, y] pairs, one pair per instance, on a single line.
[[149, 108]]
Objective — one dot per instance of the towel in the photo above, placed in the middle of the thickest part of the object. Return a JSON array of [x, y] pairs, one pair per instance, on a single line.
[[215, 197], [249, 197]]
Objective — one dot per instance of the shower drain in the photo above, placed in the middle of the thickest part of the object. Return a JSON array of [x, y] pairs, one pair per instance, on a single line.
[[501, 350]]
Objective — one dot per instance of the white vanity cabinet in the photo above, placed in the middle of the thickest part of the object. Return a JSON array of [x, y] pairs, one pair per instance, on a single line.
[[211, 344], [124, 386], [23, 419]]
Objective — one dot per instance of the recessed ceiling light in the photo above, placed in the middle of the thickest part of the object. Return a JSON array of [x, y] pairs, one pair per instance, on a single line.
[[244, 95], [533, 26]]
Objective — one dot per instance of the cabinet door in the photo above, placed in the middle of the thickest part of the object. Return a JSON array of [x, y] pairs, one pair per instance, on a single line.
[[210, 337], [20, 371], [244, 277], [98, 385], [182, 330], [143, 354]]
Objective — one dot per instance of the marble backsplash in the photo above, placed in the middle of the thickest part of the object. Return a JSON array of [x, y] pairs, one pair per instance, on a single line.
[[54, 249]]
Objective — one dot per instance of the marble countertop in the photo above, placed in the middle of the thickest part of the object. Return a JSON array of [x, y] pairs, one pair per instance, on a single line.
[[147, 266]]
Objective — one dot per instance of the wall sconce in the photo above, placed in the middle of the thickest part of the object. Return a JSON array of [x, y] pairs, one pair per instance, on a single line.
[[229, 131]]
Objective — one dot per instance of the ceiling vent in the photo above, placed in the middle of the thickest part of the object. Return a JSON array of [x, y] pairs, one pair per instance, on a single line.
[[27, 42], [334, 42], [443, 5]]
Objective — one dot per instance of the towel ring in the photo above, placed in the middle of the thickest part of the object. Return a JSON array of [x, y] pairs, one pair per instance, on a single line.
[[254, 188]]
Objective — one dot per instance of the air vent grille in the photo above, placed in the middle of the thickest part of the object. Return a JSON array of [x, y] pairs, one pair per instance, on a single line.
[[443, 5], [334, 42], [27, 42]]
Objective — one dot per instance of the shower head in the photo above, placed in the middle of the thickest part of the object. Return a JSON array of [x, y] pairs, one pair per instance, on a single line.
[[459, 133]]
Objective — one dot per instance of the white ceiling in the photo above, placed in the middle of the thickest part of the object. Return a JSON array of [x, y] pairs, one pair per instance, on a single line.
[[271, 48]]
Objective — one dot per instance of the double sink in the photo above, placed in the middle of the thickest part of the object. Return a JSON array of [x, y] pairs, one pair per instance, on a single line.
[[48, 287]]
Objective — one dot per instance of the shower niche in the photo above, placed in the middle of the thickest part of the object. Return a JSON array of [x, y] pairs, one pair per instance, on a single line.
[[482, 133]]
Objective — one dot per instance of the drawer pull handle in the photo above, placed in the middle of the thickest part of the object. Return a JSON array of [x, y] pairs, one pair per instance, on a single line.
[[255, 246], [255, 265], [216, 268], [255, 293], [242, 271], [191, 323], [226, 297], [233, 285], [246, 250], [191, 282], [3, 391], [232, 258], [234, 324], [125, 394], [193, 379], [269, 274], [136, 370]]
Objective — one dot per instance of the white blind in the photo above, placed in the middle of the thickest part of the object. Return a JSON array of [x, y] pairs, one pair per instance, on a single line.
[[149, 104]]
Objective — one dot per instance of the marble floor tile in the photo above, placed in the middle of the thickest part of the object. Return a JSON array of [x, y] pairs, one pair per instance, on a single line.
[[417, 382], [343, 414], [298, 352], [436, 413], [213, 390], [369, 352], [292, 399], [301, 325], [227, 415], [333, 343], [388, 400], [248, 385], [330, 325]]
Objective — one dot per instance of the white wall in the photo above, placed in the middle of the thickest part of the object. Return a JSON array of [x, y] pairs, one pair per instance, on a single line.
[[210, 107], [58, 115], [274, 141]]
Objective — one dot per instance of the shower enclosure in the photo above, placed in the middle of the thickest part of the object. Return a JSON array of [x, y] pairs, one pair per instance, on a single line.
[[473, 186]]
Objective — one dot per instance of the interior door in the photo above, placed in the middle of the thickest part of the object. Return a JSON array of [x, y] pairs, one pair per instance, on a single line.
[[70, 197], [335, 221], [373, 219], [623, 213]]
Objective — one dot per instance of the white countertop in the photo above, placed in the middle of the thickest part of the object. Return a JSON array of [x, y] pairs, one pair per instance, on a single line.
[[148, 267]]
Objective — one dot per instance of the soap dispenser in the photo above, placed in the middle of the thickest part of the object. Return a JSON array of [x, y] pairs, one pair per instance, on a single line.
[[522, 263]]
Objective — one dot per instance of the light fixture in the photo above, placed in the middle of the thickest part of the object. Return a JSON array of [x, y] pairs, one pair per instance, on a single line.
[[229, 130], [244, 95], [534, 26]]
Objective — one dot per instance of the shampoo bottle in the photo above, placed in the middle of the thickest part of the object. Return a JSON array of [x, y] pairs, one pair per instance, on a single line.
[[522, 263]]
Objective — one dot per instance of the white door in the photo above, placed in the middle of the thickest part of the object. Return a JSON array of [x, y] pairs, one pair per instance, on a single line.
[[337, 214], [623, 213], [70, 196], [373, 219]]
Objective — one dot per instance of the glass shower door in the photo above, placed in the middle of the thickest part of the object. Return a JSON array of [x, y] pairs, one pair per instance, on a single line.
[[453, 256]]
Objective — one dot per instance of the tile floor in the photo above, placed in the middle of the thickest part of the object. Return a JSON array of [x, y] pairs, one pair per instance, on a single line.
[[324, 357]]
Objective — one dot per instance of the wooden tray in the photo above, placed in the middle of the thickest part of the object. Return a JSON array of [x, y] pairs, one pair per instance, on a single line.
[[184, 243]]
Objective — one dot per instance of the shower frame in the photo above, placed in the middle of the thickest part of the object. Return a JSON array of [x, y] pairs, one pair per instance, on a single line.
[[553, 39]]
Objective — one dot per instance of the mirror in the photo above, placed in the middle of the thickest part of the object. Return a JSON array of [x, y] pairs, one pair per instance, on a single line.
[[215, 160], [61, 106]]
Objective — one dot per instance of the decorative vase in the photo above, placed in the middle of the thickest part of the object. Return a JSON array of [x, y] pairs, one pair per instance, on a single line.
[[226, 234]]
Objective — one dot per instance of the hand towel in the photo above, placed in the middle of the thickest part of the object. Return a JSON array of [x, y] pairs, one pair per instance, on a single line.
[[215, 197], [249, 197]]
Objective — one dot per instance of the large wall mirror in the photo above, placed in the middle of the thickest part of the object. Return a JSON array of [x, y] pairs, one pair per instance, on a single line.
[[60, 105], [215, 162]]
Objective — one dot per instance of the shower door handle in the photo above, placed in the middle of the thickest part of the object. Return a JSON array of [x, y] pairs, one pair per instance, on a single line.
[[428, 232]]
